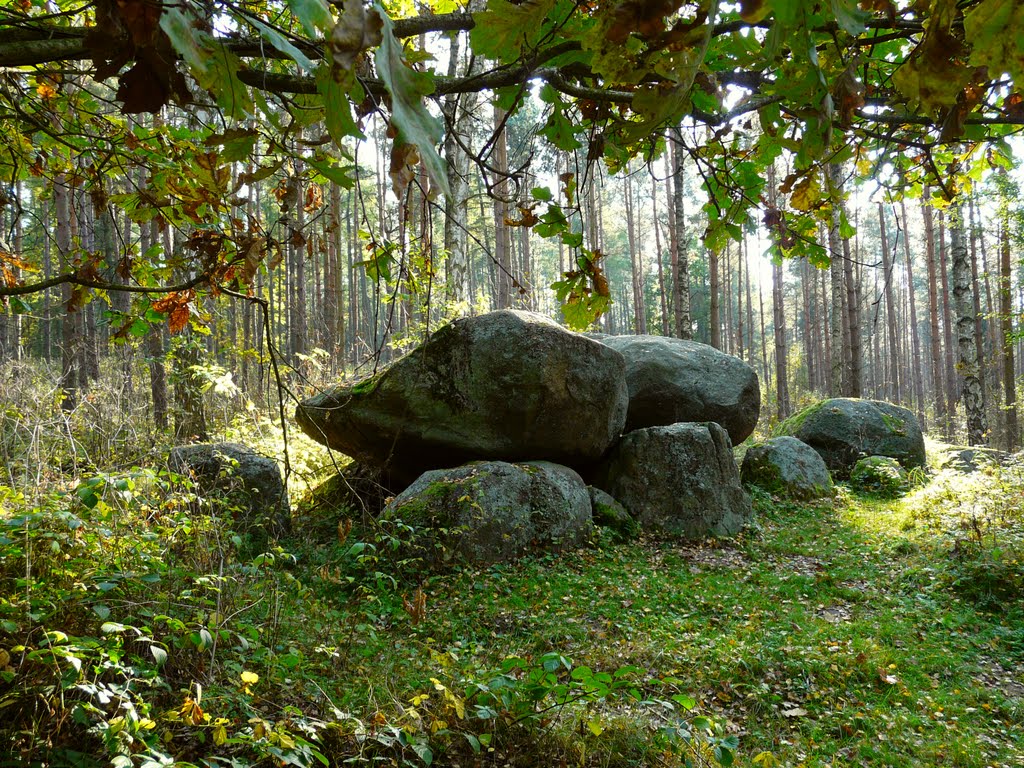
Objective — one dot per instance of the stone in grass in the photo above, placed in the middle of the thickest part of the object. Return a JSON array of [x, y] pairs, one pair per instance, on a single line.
[[610, 514], [787, 467], [247, 483], [843, 430], [880, 475], [490, 512], [679, 479], [968, 460]]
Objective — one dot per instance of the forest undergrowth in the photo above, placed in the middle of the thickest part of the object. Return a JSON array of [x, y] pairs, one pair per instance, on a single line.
[[136, 631]]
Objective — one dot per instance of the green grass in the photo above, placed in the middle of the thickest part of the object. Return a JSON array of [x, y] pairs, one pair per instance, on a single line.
[[857, 631]]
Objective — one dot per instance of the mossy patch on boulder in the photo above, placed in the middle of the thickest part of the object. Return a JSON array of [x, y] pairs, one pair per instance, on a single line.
[[785, 466], [881, 476]]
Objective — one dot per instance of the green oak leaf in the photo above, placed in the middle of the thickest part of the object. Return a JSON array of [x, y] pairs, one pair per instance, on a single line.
[[409, 115]]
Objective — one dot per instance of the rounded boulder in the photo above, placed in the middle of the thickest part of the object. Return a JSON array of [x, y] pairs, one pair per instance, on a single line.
[[788, 467], [680, 479], [674, 380]]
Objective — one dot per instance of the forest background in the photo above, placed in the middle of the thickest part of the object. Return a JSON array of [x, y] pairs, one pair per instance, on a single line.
[[212, 209]]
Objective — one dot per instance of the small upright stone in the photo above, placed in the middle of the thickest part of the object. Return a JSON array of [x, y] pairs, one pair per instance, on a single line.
[[249, 483]]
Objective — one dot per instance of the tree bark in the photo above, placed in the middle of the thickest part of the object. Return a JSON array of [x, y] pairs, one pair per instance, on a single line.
[[1012, 436], [938, 379], [837, 361], [973, 394], [680, 255], [893, 351]]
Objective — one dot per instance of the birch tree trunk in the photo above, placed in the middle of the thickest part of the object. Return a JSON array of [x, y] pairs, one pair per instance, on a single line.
[[972, 392]]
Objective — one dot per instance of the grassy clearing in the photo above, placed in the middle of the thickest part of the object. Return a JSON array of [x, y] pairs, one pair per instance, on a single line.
[[858, 632]]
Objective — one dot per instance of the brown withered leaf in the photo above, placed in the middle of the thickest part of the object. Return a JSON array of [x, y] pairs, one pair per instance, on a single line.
[[527, 218], [142, 19], [314, 198], [142, 90], [644, 18], [405, 159], [357, 31], [1013, 106], [752, 11], [848, 95], [179, 318]]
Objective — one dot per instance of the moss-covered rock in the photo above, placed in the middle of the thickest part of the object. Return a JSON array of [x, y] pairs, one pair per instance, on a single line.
[[609, 513], [680, 479], [843, 430], [490, 512], [677, 380], [507, 385], [787, 467], [244, 482], [880, 475]]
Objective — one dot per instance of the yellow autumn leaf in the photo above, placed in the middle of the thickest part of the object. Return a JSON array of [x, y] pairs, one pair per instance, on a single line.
[[250, 678], [806, 194], [220, 735]]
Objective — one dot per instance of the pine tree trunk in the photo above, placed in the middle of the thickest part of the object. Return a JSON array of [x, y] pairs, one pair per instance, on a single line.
[[714, 320], [916, 367], [837, 362], [70, 340], [894, 352], [502, 242], [662, 290], [1012, 436], [952, 390], [680, 256]]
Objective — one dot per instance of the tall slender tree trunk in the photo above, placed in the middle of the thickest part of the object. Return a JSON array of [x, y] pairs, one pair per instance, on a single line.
[[635, 259], [502, 241], [916, 364], [979, 334], [893, 351], [680, 255], [155, 350], [662, 290], [714, 320], [837, 362], [1012, 436], [973, 394], [950, 381], [938, 378]]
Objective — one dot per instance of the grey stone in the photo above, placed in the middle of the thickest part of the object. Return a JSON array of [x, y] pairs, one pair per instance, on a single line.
[[881, 475], [680, 478], [507, 385], [491, 512], [967, 460], [248, 482], [843, 430], [609, 513], [673, 380], [788, 467]]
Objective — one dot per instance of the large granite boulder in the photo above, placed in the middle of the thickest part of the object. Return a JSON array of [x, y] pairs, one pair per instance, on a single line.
[[680, 479], [247, 484], [507, 385], [788, 467], [490, 512], [843, 430], [672, 380]]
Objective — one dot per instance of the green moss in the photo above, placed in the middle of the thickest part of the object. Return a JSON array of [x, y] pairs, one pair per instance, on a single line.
[[367, 385], [791, 425]]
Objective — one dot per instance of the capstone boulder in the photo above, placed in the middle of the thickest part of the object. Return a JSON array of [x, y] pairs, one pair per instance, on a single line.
[[491, 512], [674, 380], [507, 385], [787, 467], [843, 430], [680, 479]]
